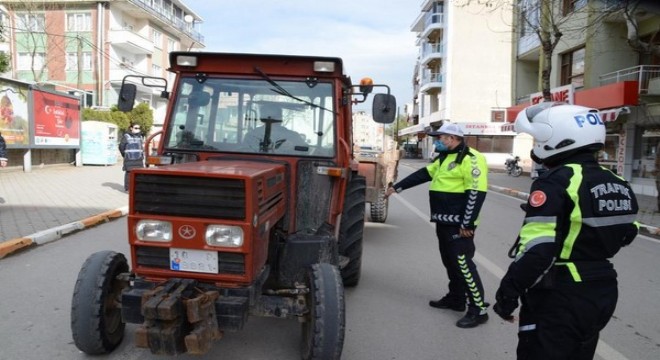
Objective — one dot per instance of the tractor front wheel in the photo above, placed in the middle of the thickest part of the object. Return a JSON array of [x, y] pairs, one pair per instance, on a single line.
[[351, 230], [324, 324], [96, 322]]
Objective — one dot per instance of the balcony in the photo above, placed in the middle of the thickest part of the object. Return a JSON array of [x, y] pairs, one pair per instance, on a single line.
[[427, 24], [647, 76], [432, 52], [431, 82], [168, 19], [130, 41]]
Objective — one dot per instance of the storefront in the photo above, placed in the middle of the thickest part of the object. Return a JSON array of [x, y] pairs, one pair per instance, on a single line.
[[633, 132]]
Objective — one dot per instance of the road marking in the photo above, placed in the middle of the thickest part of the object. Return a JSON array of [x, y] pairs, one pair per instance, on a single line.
[[603, 349]]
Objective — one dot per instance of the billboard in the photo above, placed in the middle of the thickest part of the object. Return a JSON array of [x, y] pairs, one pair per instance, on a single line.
[[14, 120], [56, 119]]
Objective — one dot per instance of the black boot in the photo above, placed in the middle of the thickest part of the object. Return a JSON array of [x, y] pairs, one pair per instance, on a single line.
[[471, 320], [448, 302]]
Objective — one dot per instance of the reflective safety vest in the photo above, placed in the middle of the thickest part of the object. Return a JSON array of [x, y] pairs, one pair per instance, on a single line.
[[133, 150], [459, 182]]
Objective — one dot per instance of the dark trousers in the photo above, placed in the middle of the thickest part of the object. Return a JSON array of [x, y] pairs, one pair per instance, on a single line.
[[126, 182], [464, 281], [564, 322]]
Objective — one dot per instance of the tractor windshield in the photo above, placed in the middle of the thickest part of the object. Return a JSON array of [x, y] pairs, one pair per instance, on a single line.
[[253, 116]]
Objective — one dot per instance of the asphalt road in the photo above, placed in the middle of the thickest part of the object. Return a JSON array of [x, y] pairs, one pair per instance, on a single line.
[[387, 313]]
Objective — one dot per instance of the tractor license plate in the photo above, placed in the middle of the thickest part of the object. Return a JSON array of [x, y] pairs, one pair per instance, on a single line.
[[194, 260]]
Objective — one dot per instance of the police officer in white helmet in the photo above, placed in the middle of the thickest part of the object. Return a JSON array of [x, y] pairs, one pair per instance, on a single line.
[[578, 216]]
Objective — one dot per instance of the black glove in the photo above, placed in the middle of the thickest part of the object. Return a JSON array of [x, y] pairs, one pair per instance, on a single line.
[[505, 305]]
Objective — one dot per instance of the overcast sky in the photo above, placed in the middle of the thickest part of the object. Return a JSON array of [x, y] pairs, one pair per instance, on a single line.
[[372, 37]]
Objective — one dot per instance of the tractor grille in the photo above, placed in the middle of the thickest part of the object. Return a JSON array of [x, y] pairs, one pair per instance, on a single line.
[[197, 197], [158, 257]]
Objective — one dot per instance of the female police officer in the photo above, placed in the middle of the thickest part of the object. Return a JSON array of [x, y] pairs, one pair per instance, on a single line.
[[578, 215]]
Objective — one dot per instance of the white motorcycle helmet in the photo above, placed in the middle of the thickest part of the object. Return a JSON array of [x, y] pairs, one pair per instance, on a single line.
[[560, 129]]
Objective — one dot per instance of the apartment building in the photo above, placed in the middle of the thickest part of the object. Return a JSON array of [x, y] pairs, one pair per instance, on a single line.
[[366, 132], [87, 47], [594, 65], [463, 74]]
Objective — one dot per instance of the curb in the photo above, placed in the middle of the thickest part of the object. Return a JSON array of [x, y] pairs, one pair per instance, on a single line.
[[46, 236], [644, 229]]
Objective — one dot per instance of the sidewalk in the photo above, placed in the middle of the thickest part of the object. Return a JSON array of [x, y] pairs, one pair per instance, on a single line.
[[48, 203]]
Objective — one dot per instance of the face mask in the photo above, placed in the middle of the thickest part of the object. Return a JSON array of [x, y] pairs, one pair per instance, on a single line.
[[440, 146], [135, 131]]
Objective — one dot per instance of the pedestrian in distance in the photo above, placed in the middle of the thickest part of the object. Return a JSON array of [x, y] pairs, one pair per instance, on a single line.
[[578, 216], [3, 152], [131, 148], [459, 181]]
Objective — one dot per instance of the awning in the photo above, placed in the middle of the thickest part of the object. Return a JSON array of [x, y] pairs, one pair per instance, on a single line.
[[607, 115], [507, 127], [411, 129], [610, 115]]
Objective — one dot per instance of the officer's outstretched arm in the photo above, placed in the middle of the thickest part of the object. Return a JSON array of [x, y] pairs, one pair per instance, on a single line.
[[418, 177]]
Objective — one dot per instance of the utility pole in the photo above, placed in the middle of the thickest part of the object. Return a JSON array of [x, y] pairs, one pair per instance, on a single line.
[[80, 60]]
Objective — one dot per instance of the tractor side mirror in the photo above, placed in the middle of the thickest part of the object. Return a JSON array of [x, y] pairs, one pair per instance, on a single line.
[[383, 108], [127, 97]]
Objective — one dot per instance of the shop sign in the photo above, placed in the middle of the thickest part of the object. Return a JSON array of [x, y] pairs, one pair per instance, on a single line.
[[483, 129], [621, 152], [562, 93]]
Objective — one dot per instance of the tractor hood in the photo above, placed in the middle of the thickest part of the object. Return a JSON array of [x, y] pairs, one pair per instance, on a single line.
[[219, 189], [230, 168]]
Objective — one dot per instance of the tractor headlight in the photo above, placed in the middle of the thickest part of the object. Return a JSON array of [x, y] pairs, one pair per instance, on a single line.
[[154, 230], [186, 60], [224, 235]]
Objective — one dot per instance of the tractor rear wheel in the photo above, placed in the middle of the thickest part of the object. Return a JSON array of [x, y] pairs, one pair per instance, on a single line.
[[379, 208], [352, 229], [96, 322], [324, 324]]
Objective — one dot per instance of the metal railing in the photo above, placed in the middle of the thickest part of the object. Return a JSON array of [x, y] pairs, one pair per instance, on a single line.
[[643, 74], [166, 16], [429, 49], [433, 18]]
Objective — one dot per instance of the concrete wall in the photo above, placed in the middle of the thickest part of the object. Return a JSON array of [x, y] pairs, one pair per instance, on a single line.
[[479, 70]]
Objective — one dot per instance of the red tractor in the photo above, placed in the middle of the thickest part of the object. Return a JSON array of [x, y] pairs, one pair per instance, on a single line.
[[252, 206]]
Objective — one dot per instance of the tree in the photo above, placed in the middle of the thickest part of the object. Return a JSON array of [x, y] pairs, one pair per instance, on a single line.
[[400, 123], [141, 114], [5, 59], [551, 21], [632, 11]]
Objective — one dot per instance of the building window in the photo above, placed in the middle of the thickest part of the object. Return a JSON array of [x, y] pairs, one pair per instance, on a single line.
[[172, 45], [156, 70], [569, 6], [645, 152], [157, 38], [79, 22], [530, 12], [30, 22], [72, 61], [572, 68], [25, 61]]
